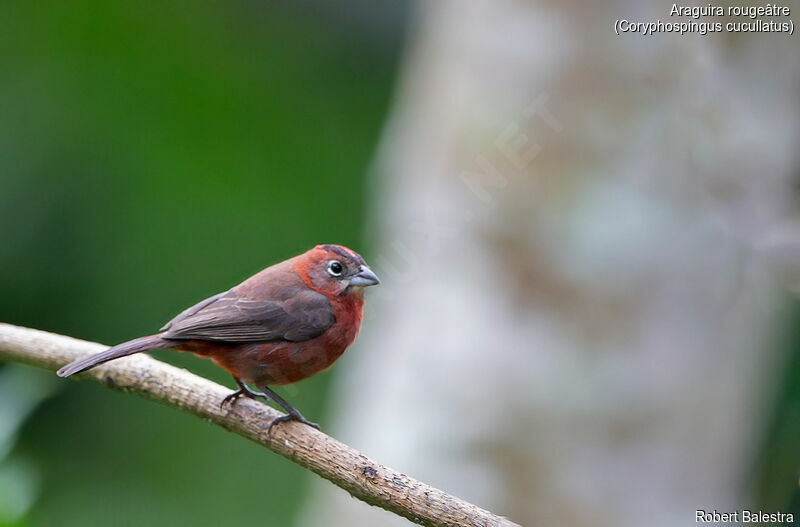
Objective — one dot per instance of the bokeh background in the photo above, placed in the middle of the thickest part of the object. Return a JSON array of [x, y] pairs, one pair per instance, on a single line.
[[587, 243], [150, 155]]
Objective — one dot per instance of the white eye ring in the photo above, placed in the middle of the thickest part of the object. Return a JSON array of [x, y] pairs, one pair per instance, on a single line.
[[335, 268]]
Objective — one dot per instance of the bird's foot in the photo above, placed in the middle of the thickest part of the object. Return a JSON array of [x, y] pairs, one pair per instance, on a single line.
[[291, 412], [243, 391], [291, 416]]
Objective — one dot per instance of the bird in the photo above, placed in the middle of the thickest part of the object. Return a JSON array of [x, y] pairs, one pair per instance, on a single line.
[[280, 326]]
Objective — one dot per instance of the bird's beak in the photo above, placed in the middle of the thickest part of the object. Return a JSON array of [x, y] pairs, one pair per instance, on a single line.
[[364, 278]]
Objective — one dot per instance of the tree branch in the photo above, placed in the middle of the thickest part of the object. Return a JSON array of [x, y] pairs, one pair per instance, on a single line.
[[345, 467]]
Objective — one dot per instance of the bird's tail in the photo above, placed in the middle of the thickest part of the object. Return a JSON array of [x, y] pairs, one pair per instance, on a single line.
[[120, 350]]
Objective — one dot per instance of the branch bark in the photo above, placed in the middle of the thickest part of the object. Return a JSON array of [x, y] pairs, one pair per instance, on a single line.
[[343, 466]]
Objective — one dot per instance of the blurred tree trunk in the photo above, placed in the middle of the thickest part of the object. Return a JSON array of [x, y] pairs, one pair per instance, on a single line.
[[572, 327]]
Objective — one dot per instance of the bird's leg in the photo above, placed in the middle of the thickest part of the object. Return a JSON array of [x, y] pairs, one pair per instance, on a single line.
[[291, 412], [243, 390]]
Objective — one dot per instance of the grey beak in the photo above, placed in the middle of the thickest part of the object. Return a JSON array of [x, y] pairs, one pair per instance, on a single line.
[[365, 277]]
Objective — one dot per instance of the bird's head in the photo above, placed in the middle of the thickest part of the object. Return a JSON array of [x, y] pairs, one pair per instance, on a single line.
[[335, 270]]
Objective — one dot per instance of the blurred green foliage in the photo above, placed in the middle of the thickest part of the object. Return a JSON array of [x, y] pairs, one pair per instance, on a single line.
[[152, 154], [776, 474]]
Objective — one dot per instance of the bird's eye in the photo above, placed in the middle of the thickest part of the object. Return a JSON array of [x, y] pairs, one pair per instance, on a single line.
[[335, 268]]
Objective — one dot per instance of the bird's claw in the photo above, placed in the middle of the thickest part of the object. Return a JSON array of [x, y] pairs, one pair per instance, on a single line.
[[241, 392], [296, 416], [231, 398]]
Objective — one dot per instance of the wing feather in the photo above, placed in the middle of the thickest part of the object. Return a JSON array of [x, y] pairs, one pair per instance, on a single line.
[[228, 317]]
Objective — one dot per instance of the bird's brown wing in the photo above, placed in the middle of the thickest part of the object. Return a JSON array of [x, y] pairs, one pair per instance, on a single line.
[[194, 309], [228, 317]]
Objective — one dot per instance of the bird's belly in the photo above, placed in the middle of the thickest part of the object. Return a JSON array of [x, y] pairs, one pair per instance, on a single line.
[[285, 363], [270, 363]]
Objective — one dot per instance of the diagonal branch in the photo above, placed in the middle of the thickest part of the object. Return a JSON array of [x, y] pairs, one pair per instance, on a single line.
[[345, 467]]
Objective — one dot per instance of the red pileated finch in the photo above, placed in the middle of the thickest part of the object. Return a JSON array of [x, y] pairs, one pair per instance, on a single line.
[[280, 326]]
